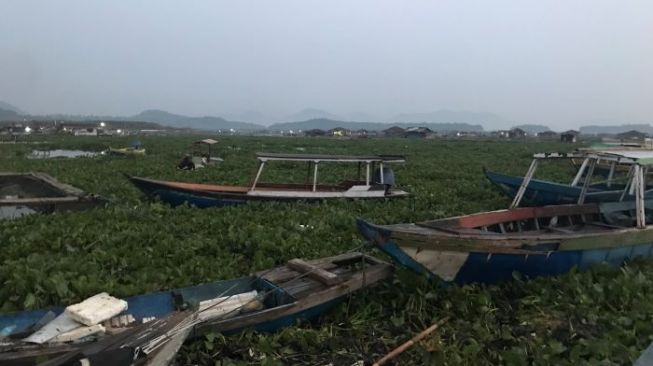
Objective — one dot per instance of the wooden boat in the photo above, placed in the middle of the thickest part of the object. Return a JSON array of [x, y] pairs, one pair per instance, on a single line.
[[297, 291], [542, 192], [126, 151], [534, 241], [39, 192], [211, 195]]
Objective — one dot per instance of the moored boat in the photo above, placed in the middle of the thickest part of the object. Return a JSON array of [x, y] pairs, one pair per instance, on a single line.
[[23, 193], [300, 290], [542, 192], [375, 181], [534, 241], [126, 151]]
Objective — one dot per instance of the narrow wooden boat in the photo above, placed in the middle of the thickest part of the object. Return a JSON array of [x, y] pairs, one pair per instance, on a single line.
[[39, 192], [126, 151], [533, 241], [366, 186], [542, 192], [300, 290]]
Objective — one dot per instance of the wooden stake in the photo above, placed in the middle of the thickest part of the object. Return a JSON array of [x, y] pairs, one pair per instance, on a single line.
[[397, 351]]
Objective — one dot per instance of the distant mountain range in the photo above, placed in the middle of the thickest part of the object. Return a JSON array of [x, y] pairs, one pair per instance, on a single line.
[[8, 107], [313, 118], [611, 130], [327, 124], [199, 123], [533, 129]]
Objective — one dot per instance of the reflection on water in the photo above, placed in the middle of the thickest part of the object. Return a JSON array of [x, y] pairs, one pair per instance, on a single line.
[[50, 154], [14, 212]]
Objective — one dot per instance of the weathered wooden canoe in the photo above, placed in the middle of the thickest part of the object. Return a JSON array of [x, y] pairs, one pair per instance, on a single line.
[[534, 241], [42, 193], [129, 151], [212, 195], [298, 291]]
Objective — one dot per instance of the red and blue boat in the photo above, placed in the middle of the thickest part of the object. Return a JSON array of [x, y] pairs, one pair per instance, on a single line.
[[532, 241], [375, 180]]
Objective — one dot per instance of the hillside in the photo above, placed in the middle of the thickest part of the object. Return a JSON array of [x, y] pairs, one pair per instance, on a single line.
[[611, 130], [453, 117], [533, 129], [200, 123], [8, 107], [326, 124]]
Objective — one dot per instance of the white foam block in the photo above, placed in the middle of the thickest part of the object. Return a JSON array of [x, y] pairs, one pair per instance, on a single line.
[[96, 309]]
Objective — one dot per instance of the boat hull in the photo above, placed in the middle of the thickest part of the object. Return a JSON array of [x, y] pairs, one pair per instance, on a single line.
[[176, 194], [463, 267], [543, 193]]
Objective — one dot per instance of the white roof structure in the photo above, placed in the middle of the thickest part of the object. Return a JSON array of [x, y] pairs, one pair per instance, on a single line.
[[332, 158]]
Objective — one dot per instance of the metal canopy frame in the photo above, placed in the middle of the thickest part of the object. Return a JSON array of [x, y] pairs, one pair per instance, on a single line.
[[640, 162], [314, 160]]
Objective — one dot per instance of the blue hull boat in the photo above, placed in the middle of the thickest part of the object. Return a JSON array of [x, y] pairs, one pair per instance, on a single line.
[[543, 193], [533, 241], [296, 292]]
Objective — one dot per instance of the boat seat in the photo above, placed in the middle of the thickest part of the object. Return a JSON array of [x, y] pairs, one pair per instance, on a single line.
[[560, 230]]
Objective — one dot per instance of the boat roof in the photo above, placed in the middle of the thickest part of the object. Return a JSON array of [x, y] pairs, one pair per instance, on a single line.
[[207, 141], [334, 158], [626, 156]]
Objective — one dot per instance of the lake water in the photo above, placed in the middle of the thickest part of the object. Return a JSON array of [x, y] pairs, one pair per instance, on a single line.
[[59, 153], [14, 212]]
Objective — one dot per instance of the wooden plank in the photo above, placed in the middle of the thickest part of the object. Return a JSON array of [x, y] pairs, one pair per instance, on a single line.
[[358, 280], [314, 272], [284, 273]]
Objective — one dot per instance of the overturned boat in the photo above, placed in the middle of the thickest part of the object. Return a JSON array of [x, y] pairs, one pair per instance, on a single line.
[[533, 241], [374, 181], [154, 326], [24, 193]]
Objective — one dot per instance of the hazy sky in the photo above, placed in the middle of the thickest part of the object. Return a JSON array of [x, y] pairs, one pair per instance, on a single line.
[[558, 62]]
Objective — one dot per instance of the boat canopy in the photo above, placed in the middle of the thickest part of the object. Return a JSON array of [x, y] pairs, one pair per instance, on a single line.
[[331, 158], [207, 141], [314, 160], [639, 160], [620, 156]]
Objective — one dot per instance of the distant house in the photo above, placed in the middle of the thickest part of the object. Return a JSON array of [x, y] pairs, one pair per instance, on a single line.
[[501, 134], [340, 132], [418, 132], [314, 132], [362, 133], [632, 135], [87, 131], [547, 135], [517, 133], [394, 131], [569, 136]]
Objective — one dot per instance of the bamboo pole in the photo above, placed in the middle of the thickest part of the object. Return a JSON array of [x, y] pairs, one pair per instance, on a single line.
[[524, 184], [397, 351], [580, 172], [586, 184]]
